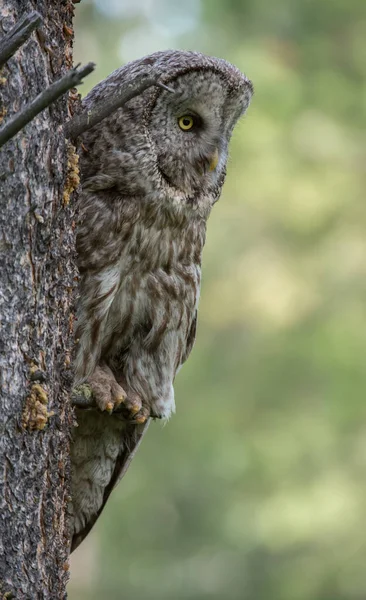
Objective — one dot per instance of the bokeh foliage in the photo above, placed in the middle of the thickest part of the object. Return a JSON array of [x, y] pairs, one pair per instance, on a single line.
[[256, 489]]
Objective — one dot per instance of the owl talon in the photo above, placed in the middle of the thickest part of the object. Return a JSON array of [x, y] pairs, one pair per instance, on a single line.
[[141, 419], [135, 409]]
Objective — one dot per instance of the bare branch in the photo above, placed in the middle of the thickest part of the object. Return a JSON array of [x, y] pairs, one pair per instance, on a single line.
[[17, 36], [87, 119], [43, 100]]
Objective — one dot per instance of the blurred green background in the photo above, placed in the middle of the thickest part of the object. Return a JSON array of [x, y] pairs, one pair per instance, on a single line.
[[256, 489]]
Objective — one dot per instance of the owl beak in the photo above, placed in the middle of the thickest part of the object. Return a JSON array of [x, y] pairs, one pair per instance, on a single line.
[[214, 159]]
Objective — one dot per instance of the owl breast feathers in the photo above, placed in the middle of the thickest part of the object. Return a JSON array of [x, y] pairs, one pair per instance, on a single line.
[[151, 173]]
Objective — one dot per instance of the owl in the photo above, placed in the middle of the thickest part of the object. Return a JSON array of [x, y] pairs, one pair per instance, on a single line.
[[151, 173]]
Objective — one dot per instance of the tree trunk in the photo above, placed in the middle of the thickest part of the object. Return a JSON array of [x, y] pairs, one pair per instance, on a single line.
[[38, 171]]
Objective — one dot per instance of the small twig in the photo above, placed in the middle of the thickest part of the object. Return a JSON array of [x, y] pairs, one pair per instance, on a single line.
[[164, 87], [82, 396], [43, 100], [91, 117], [17, 36]]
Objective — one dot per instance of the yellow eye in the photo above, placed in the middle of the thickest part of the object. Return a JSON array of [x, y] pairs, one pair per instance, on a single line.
[[186, 122]]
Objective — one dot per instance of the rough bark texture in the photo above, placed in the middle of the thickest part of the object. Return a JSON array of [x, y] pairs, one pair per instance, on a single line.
[[37, 275]]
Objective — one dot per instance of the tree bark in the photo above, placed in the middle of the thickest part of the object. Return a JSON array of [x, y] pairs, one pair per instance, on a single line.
[[38, 171]]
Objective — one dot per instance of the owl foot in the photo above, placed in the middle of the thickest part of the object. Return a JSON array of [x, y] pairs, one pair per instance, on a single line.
[[132, 407], [107, 393]]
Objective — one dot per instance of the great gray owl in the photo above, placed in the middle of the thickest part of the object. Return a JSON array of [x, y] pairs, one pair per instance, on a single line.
[[151, 173]]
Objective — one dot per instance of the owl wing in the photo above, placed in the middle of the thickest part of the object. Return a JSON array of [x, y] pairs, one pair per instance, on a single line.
[[132, 437], [191, 338]]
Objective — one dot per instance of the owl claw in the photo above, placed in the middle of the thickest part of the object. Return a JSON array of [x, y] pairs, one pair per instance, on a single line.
[[141, 419]]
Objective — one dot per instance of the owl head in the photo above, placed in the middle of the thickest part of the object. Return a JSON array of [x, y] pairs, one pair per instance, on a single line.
[[170, 144]]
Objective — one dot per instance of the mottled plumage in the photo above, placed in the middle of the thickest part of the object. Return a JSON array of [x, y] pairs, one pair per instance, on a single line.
[[148, 187]]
